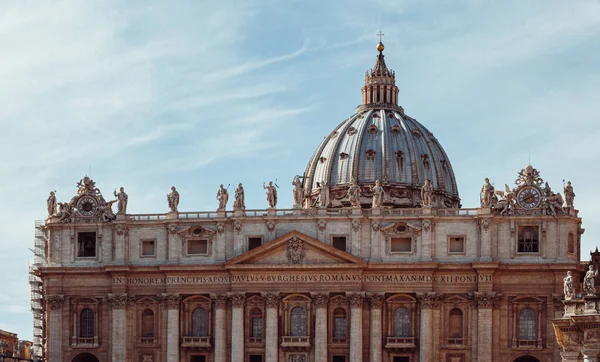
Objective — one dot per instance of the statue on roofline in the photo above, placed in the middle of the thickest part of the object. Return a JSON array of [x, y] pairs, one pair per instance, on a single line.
[[173, 199]]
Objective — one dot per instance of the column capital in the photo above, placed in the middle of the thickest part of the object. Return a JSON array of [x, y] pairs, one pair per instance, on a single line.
[[171, 301], [320, 299], [237, 299], [486, 300], [428, 300], [220, 300], [271, 299], [375, 299], [356, 299], [119, 300], [54, 301]]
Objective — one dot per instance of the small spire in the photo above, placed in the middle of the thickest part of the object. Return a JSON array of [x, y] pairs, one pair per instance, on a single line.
[[380, 83]]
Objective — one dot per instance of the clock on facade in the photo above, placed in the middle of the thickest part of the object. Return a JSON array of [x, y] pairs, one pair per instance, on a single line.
[[87, 206], [529, 197]]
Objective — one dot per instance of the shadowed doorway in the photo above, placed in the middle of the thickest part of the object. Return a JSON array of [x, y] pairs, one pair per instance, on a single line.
[[526, 359], [85, 357]]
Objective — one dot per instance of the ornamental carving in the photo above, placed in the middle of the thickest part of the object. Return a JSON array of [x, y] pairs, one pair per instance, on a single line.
[[295, 250], [237, 299], [172, 229], [54, 301], [484, 224], [237, 226], [119, 300], [487, 300], [122, 230], [356, 225], [428, 225], [376, 300], [220, 227], [271, 299], [220, 300], [355, 299], [171, 301], [271, 226], [322, 225], [320, 299], [428, 300], [375, 225]]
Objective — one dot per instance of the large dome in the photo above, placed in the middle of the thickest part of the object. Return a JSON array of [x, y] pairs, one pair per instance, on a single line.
[[380, 142]]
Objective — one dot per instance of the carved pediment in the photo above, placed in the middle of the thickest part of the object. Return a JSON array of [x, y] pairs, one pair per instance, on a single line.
[[400, 228], [294, 249], [196, 231]]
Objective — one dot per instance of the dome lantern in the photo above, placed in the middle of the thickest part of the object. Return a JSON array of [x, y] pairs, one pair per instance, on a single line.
[[380, 85]]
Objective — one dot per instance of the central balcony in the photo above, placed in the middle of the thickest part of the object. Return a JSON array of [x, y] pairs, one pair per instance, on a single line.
[[406, 343], [201, 343], [295, 342]]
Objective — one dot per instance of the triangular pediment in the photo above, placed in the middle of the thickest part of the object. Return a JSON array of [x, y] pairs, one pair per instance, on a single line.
[[295, 249]]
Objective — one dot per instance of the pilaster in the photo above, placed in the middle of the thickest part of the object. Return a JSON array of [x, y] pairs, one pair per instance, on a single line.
[[271, 337], [426, 302], [237, 326], [54, 306], [485, 304], [172, 303], [320, 301], [118, 303], [375, 301], [356, 341]]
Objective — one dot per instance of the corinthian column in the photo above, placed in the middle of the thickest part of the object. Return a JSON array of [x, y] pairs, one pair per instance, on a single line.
[[220, 303], [376, 301], [54, 306], [172, 302], [271, 348], [356, 303], [237, 327], [485, 303], [426, 302], [320, 302], [118, 334]]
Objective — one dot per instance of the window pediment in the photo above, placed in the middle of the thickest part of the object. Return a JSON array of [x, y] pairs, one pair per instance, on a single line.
[[197, 231]]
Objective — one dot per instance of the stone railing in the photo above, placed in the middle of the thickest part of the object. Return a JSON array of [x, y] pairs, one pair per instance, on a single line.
[[255, 340], [456, 341], [295, 341], [339, 340], [84, 342], [146, 341], [196, 342], [400, 342]]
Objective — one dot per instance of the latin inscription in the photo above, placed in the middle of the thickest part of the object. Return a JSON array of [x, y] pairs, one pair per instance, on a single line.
[[300, 278]]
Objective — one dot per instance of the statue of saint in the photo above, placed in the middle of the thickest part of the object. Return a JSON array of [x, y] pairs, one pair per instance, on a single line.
[[271, 194], [568, 286], [569, 194], [239, 198], [426, 193], [323, 194], [377, 195], [173, 199], [223, 197], [588, 281], [107, 213], [122, 201], [51, 203], [298, 192], [487, 193], [354, 194]]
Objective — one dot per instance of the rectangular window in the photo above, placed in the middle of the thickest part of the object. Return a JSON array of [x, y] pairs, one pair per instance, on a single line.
[[339, 242], [255, 358], [86, 245], [529, 239], [197, 247], [257, 327], [401, 245], [148, 248], [456, 245], [254, 242]]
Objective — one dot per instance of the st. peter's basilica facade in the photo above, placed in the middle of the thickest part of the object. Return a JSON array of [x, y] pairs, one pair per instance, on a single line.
[[376, 262]]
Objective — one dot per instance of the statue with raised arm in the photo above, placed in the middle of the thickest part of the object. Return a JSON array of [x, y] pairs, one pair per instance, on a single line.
[[588, 281], [121, 200], [298, 192], [569, 194], [223, 197], [271, 194], [378, 194], [486, 195], [239, 198], [568, 287], [173, 199], [426, 193], [354, 194], [51, 204], [107, 213], [323, 194]]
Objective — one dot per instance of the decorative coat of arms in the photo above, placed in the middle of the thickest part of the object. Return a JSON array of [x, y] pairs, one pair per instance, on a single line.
[[295, 250]]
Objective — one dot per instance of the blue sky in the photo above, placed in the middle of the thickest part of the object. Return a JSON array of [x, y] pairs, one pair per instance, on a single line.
[[147, 95]]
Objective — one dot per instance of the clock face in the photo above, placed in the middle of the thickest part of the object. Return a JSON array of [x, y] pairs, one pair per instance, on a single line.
[[87, 206], [529, 197]]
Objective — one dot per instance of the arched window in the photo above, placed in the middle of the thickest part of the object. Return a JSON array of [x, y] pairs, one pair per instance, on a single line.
[[148, 323], [298, 322], [86, 323], [527, 328], [339, 323], [256, 320], [199, 323], [455, 324], [402, 322]]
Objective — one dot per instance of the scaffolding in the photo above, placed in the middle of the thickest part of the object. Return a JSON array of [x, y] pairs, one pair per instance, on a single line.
[[37, 288]]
